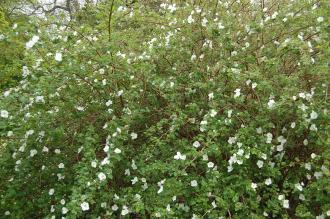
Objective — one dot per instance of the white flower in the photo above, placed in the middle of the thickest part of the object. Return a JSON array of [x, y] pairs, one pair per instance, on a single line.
[[254, 85], [101, 71], [172, 8], [4, 114], [179, 156], [105, 161], [117, 151], [213, 113], [64, 210], [229, 113], [259, 130], [114, 207], [40, 99], [7, 213], [237, 92], [260, 163], [313, 127], [51, 192], [305, 142], [103, 205], [279, 147], [101, 176], [193, 183], [61, 165], [214, 205], [298, 186], [108, 103], [196, 144], [134, 180], [121, 8], [211, 96], [205, 157], [232, 140], [127, 172], [308, 166], [302, 95], [31, 43], [58, 56], [106, 148], [269, 138], [125, 210], [119, 93], [318, 175], [6, 93], [161, 189], [302, 197], [60, 176], [286, 203], [80, 108], [271, 103], [220, 26], [210, 164], [280, 197], [134, 135], [313, 115], [240, 152], [33, 152], [274, 15], [313, 155], [134, 167], [254, 186], [320, 19], [293, 125], [190, 19], [137, 196], [160, 184], [28, 133], [268, 181], [84, 206], [93, 164], [204, 22]]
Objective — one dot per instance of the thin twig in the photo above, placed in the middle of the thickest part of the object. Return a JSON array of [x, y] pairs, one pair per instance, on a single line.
[[109, 22]]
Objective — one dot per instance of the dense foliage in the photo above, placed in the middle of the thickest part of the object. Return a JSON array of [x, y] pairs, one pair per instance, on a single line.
[[208, 109]]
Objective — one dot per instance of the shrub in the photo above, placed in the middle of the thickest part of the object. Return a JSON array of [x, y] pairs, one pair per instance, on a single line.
[[215, 110]]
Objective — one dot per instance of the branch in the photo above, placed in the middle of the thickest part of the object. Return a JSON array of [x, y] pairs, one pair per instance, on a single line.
[[56, 7], [109, 22]]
